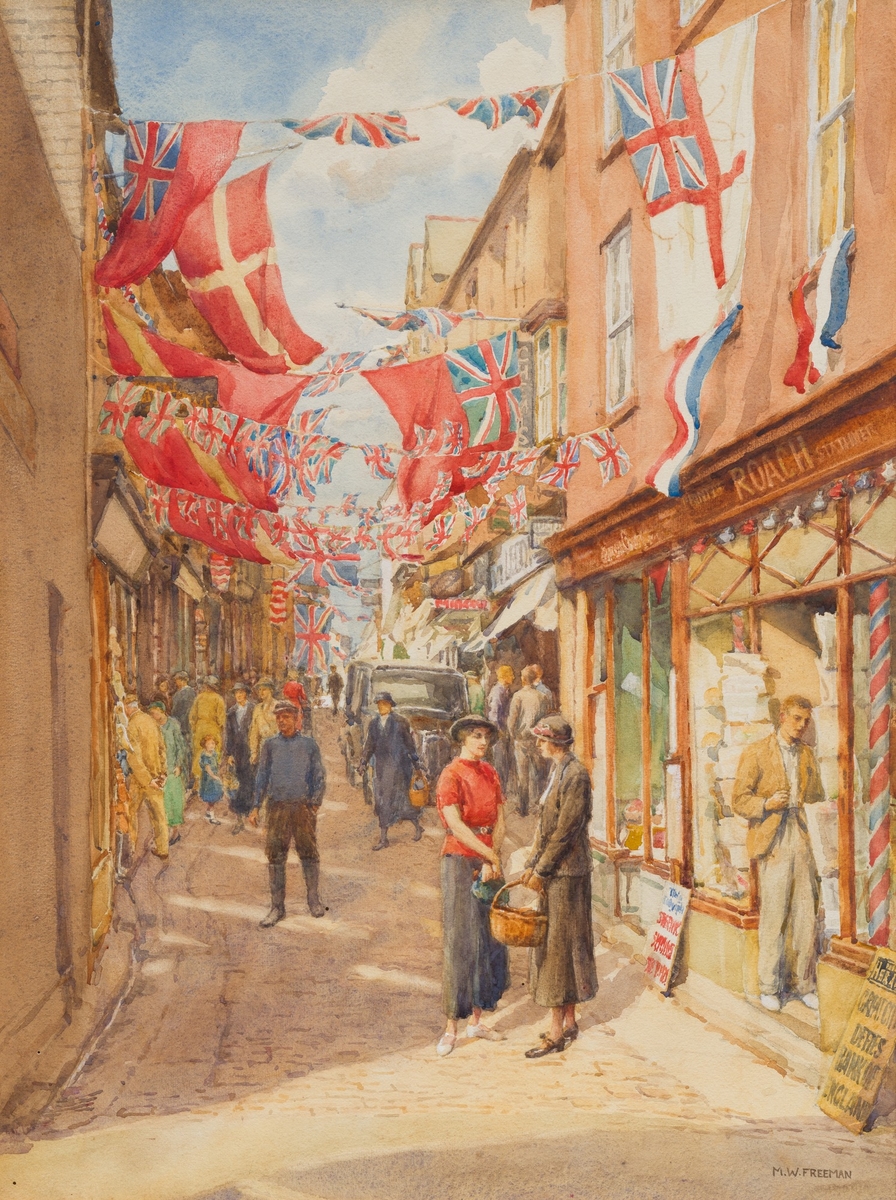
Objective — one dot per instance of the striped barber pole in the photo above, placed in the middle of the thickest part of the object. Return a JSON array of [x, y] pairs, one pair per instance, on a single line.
[[879, 745], [277, 610]]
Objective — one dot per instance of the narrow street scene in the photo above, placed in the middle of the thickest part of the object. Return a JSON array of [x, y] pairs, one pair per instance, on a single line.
[[449, 551]]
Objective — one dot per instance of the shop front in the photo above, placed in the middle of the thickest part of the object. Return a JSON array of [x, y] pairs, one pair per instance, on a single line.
[[685, 623]]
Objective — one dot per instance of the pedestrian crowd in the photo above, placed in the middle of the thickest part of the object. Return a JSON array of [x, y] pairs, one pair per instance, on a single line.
[[256, 752]]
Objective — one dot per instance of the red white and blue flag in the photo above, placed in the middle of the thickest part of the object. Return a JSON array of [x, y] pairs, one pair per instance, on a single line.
[[379, 461], [610, 456], [486, 380], [312, 633], [439, 321], [494, 111], [169, 170], [683, 388], [441, 531], [334, 372], [518, 508], [560, 472], [816, 336], [378, 130]]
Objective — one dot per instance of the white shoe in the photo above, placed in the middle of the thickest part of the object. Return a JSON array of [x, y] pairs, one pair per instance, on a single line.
[[446, 1044], [482, 1031], [772, 1003], [810, 1000]]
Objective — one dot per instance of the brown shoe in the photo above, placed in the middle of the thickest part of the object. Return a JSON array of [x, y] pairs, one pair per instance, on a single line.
[[570, 1034], [547, 1047]]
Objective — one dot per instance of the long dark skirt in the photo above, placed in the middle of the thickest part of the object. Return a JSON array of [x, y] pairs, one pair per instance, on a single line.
[[561, 969], [475, 973]]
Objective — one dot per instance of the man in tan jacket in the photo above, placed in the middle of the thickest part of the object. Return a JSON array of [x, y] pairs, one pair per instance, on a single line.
[[147, 760], [775, 779]]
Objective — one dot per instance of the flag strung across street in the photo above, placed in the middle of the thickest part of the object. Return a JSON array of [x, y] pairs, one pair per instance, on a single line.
[[226, 255], [312, 636], [518, 508], [169, 169], [831, 275], [494, 111], [439, 321], [378, 130], [560, 472], [611, 457]]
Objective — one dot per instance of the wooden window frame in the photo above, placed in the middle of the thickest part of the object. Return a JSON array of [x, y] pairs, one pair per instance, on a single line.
[[610, 46], [625, 323], [821, 122], [553, 426]]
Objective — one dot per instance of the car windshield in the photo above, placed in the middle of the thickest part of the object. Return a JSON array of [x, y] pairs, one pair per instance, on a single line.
[[435, 692]]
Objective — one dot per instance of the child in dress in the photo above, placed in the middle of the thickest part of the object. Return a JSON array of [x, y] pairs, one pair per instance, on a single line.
[[211, 788]]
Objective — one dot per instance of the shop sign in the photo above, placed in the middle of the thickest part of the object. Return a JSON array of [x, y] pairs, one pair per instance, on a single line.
[[866, 1047], [663, 939]]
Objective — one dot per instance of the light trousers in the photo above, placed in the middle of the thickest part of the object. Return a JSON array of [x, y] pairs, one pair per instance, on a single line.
[[155, 802], [788, 906]]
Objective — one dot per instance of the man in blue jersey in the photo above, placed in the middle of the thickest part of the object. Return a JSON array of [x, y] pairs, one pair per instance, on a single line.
[[291, 778]]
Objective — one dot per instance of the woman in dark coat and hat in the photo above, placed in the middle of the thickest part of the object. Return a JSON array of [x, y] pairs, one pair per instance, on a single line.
[[561, 969], [390, 746], [471, 806]]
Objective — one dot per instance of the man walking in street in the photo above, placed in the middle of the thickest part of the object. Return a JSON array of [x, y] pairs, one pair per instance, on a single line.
[[264, 721], [390, 746], [334, 687], [181, 704], [527, 707], [291, 778], [499, 698], [775, 779], [236, 751], [148, 764]]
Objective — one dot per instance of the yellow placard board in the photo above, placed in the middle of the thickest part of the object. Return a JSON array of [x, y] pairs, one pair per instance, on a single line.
[[852, 1084]]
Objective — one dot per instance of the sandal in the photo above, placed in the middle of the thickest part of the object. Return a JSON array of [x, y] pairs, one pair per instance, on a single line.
[[446, 1044], [547, 1047]]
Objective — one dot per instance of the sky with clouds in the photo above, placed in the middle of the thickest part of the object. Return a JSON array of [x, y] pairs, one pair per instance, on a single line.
[[344, 216]]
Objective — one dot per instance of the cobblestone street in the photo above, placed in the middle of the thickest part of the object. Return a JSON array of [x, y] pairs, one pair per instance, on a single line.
[[246, 1064]]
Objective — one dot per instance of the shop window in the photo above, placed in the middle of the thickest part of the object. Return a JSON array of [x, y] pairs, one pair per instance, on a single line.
[[618, 52], [874, 687], [802, 550], [740, 671], [597, 711], [627, 700], [832, 120], [657, 588], [620, 320], [872, 539], [550, 382]]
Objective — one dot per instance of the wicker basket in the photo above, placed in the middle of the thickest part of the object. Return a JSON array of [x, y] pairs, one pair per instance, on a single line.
[[516, 926]]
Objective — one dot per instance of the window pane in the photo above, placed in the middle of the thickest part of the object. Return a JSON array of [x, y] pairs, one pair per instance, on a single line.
[[599, 641], [660, 674], [628, 692], [873, 676], [598, 705], [824, 18], [619, 382], [543, 398]]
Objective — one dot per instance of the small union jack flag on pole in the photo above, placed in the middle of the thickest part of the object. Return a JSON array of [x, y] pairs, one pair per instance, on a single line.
[[379, 461], [518, 508], [611, 457], [559, 474], [312, 632], [378, 130]]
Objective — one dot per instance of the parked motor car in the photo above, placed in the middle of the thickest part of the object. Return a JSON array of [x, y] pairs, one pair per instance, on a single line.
[[430, 697]]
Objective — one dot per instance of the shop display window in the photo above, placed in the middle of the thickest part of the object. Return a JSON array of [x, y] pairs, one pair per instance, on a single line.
[[628, 693], [658, 594], [597, 712]]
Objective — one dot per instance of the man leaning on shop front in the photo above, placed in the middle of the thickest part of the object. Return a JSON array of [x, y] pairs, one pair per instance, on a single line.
[[775, 779], [149, 767], [291, 778]]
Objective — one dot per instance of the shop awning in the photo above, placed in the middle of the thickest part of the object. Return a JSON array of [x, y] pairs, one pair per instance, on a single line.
[[537, 598]]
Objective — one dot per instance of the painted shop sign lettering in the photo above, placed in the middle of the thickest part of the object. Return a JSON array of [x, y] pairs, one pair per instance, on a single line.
[[866, 1047], [766, 471], [663, 939]]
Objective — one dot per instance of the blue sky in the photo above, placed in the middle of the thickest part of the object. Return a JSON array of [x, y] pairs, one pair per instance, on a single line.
[[344, 216]]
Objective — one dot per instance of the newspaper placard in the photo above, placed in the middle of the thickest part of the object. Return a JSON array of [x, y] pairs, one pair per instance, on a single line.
[[866, 1047], [662, 943]]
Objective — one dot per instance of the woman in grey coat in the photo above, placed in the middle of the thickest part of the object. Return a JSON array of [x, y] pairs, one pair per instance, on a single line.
[[390, 745], [561, 969]]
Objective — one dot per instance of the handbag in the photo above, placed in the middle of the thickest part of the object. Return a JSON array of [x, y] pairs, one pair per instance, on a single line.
[[418, 791]]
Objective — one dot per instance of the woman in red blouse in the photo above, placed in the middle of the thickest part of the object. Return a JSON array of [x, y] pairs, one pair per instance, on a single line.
[[471, 806]]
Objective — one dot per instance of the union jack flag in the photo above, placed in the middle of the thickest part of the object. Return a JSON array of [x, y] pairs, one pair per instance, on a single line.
[[268, 454], [334, 373], [379, 461], [486, 380], [494, 111], [559, 474], [524, 462], [118, 408], [309, 421], [493, 485], [405, 535], [483, 465], [452, 438], [378, 130], [325, 560], [425, 440], [348, 505], [190, 508], [159, 419], [312, 630], [473, 514], [158, 498], [211, 429], [150, 160], [518, 508], [670, 145], [439, 321], [441, 531], [610, 456], [442, 488]]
